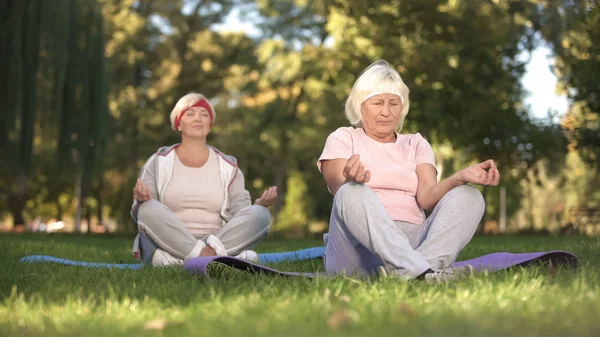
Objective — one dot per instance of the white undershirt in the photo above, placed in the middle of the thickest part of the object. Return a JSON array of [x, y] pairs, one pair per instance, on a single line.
[[195, 195]]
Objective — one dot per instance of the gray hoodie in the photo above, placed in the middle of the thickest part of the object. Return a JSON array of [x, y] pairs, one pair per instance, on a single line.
[[158, 169]]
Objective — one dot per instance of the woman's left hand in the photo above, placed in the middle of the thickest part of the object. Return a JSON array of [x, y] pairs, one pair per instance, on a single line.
[[485, 173], [268, 198]]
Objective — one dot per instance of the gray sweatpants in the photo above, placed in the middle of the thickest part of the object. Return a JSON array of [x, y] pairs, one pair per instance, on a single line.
[[363, 236], [160, 228]]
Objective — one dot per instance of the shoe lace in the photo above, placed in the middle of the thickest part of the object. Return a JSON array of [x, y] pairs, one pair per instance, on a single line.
[[441, 275]]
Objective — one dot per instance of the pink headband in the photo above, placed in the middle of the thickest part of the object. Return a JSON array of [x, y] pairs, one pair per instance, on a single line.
[[201, 103]]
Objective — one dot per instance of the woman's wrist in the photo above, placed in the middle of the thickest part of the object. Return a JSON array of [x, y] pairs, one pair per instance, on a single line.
[[457, 179]]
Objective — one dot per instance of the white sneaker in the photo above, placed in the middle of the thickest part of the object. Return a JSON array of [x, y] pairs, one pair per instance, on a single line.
[[437, 276], [449, 274], [382, 272], [163, 259], [248, 255]]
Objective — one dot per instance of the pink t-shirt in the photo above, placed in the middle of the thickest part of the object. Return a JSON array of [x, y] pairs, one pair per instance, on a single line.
[[392, 165]]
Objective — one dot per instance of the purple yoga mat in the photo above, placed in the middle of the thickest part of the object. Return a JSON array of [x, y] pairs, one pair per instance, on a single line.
[[199, 266], [491, 262], [500, 261]]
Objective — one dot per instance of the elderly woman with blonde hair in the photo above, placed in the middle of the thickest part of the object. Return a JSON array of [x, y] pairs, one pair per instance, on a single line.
[[382, 180], [190, 199]]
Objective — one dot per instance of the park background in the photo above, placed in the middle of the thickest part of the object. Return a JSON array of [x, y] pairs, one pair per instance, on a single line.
[[87, 87]]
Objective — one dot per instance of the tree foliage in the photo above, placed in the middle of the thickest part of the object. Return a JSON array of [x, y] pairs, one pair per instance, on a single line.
[[573, 29], [104, 76]]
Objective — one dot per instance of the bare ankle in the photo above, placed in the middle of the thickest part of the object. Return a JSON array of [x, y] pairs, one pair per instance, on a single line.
[[208, 251]]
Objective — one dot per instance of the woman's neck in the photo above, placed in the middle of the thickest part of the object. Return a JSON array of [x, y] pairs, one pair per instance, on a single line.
[[389, 138], [193, 146]]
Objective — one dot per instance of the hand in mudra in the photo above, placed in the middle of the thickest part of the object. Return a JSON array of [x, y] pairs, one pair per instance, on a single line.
[[485, 173], [354, 171], [141, 192], [268, 198]]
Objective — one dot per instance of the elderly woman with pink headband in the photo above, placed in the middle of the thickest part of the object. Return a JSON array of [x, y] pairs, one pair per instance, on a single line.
[[382, 180], [190, 199]]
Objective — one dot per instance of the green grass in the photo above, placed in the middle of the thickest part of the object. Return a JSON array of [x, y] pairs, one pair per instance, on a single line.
[[52, 300]]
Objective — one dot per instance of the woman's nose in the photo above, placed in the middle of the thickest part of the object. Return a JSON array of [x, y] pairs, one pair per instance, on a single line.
[[386, 111]]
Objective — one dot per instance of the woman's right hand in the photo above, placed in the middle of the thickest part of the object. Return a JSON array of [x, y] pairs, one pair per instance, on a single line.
[[141, 192], [354, 171]]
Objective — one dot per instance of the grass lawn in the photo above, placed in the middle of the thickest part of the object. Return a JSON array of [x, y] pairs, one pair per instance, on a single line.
[[52, 300]]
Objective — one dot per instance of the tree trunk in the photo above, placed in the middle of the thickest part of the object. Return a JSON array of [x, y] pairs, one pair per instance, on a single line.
[[88, 218], [502, 220], [530, 208], [100, 201], [281, 175], [11, 16], [30, 66], [17, 214], [484, 218], [78, 211], [59, 209], [30, 56], [18, 202]]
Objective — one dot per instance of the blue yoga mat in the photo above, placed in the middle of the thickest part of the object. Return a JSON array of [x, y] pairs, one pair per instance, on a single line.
[[298, 255], [52, 259]]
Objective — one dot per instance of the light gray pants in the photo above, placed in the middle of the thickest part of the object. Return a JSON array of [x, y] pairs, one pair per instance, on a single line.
[[160, 228], [363, 236]]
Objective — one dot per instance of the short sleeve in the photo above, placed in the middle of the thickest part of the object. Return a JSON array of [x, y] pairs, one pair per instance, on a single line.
[[337, 146], [424, 153]]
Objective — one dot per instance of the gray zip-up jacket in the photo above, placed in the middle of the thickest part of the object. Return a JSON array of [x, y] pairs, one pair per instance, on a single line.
[[158, 169]]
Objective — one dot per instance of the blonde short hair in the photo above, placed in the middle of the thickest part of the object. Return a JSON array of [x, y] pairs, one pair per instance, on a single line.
[[378, 78], [187, 102]]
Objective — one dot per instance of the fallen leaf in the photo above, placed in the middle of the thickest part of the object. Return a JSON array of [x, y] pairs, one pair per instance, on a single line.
[[406, 310], [551, 268], [345, 298], [157, 324], [339, 320]]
